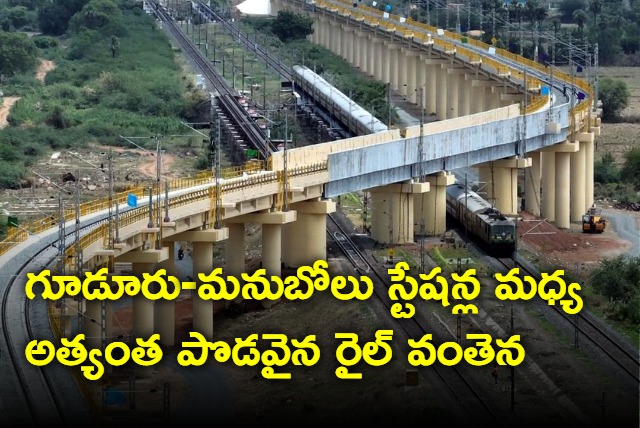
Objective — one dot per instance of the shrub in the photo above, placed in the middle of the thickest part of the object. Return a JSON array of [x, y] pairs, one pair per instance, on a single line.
[[614, 95]]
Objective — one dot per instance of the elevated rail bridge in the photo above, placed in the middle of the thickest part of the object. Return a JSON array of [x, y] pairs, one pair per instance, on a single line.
[[494, 113]]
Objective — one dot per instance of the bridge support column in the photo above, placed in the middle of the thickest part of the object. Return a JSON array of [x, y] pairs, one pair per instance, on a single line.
[[371, 58], [421, 82], [430, 94], [464, 94], [452, 95], [489, 99], [532, 185], [234, 250], [578, 185], [500, 183], [315, 36], [362, 51], [325, 33], [563, 162], [305, 240], [441, 94], [386, 64], [548, 173], [143, 261], [411, 79], [202, 310], [431, 208], [392, 209], [142, 307], [559, 183], [396, 67], [477, 100], [272, 223], [92, 326], [379, 62], [588, 138], [164, 314], [202, 262], [347, 39]]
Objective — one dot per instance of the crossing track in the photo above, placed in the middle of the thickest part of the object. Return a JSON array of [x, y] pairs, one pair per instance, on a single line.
[[226, 95], [585, 324], [475, 404], [272, 61]]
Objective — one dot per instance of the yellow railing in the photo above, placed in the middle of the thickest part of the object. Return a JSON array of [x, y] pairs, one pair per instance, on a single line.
[[410, 25]]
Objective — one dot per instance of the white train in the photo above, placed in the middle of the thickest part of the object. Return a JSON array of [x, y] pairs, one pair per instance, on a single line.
[[357, 119]]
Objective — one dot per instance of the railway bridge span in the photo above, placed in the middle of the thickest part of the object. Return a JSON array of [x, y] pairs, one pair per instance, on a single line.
[[494, 113]]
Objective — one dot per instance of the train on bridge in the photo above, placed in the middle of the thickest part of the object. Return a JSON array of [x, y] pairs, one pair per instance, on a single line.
[[491, 229], [344, 109]]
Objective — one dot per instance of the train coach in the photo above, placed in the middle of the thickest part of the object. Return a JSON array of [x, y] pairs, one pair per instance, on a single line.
[[485, 224], [357, 119]]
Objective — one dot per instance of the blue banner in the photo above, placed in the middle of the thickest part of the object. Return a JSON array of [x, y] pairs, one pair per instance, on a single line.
[[132, 200]]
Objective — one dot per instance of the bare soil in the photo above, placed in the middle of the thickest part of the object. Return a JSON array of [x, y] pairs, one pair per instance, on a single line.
[[7, 103]]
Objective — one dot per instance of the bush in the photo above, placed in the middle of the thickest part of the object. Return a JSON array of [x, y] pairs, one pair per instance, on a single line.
[[290, 26], [605, 170], [614, 95], [44, 42], [630, 170], [617, 279]]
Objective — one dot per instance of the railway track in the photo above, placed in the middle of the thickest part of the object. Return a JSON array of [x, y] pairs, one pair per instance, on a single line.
[[42, 404], [37, 388], [628, 362], [270, 60], [335, 128], [461, 386], [226, 95]]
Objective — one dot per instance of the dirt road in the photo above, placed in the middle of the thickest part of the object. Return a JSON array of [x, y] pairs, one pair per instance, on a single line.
[[8, 102]]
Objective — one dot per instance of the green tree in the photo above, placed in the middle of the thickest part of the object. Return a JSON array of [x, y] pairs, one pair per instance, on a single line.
[[53, 19], [580, 18], [595, 6], [18, 16], [631, 168], [95, 15], [614, 95], [618, 279], [290, 26], [567, 7], [605, 170], [17, 53]]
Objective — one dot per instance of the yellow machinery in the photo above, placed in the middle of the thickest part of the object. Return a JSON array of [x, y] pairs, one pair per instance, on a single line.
[[593, 222]]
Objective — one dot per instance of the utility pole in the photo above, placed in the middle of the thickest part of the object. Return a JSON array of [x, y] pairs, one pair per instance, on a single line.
[[389, 104], [76, 232], [285, 187], [513, 369], [158, 190], [420, 180], [61, 233]]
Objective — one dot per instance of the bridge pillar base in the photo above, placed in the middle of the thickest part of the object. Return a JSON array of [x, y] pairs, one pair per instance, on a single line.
[[164, 315], [392, 212], [202, 256], [500, 183], [430, 208], [578, 185], [532, 185], [305, 240]]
